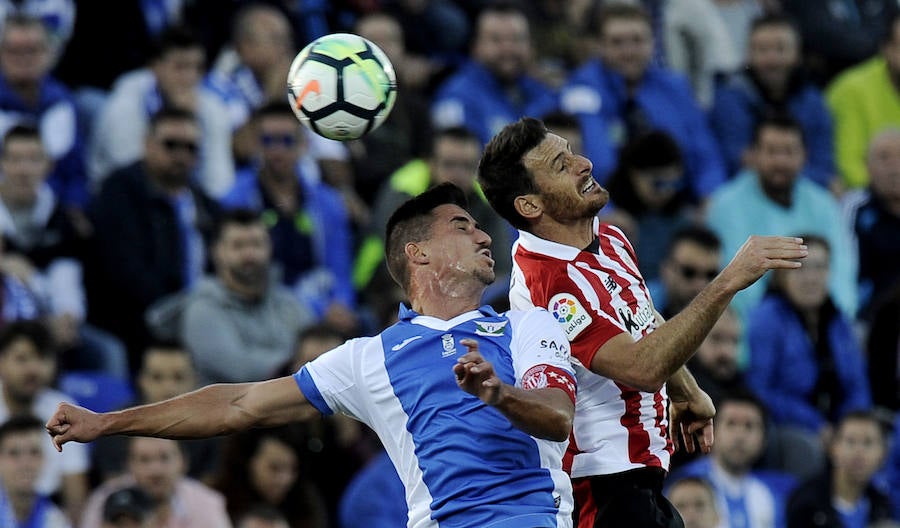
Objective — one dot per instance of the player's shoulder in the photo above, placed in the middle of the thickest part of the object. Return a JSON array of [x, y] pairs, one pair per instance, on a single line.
[[527, 316]]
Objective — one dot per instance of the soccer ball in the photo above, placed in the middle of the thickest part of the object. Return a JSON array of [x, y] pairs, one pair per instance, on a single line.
[[341, 86]]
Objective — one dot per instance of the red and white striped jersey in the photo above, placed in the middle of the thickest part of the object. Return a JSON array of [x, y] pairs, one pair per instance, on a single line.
[[596, 296]]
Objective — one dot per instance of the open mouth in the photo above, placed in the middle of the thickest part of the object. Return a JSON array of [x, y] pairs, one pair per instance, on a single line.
[[588, 186]]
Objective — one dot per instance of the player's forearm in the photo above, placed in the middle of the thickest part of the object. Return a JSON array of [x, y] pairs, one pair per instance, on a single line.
[[665, 350], [211, 411], [543, 413], [682, 386]]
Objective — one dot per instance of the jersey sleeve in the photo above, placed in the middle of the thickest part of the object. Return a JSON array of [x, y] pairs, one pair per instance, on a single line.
[[329, 383], [540, 353]]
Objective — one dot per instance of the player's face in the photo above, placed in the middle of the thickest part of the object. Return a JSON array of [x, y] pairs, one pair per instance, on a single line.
[[24, 166], [165, 374], [21, 459], [503, 44], [779, 158], [273, 470], [458, 247], [773, 54], [157, 465], [858, 450], [626, 47], [567, 188], [740, 436], [696, 505], [24, 371]]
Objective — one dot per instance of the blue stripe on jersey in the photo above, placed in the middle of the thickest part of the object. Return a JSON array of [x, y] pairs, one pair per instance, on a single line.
[[478, 468], [311, 392]]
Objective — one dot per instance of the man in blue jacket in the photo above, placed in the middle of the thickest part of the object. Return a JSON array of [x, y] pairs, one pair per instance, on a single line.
[[620, 96]]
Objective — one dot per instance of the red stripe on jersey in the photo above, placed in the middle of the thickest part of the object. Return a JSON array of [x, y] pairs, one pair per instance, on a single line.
[[607, 249], [638, 437], [546, 376], [584, 502], [660, 406], [570, 453], [615, 232]]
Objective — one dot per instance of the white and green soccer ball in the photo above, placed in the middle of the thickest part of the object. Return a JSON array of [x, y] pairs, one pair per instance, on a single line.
[[342, 86]]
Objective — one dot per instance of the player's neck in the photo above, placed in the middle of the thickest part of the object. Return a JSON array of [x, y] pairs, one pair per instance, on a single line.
[[446, 299], [578, 233]]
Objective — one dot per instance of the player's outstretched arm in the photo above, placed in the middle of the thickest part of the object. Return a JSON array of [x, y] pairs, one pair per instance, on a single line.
[[542, 413], [647, 363], [210, 411]]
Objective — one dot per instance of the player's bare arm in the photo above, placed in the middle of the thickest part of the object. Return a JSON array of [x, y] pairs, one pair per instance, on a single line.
[[543, 413], [647, 363], [210, 411]]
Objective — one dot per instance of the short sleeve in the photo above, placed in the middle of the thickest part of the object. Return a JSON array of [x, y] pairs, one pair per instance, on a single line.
[[328, 382], [540, 352]]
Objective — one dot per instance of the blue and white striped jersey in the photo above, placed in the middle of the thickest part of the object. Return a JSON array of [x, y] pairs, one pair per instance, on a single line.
[[463, 464]]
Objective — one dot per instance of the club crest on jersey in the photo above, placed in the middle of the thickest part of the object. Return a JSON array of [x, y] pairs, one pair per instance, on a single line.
[[490, 328], [449, 345], [569, 314]]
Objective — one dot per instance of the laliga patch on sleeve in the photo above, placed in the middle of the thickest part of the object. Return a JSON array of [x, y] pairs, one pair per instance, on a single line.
[[569, 313]]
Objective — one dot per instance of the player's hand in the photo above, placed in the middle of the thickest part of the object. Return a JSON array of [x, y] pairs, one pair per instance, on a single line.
[[71, 423], [692, 422], [476, 376], [760, 254]]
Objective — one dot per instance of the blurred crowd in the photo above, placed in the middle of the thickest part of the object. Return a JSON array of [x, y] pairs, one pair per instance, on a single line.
[[167, 223]]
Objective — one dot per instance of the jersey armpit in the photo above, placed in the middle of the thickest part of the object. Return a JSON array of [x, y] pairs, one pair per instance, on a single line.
[[541, 354]]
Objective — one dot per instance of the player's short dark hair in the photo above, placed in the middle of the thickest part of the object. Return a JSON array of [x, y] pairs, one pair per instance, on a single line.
[[779, 121], [20, 423], [32, 330], [412, 222], [241, 217], [618, 10], [502, 173]]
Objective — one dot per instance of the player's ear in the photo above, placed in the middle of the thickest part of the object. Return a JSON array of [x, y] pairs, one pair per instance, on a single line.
[[528, 205], [416, 253]]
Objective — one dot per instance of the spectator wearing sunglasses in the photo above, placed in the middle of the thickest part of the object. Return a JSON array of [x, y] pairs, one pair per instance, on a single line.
[[152, 228], [772, 196], [649, 190], [690, 263]]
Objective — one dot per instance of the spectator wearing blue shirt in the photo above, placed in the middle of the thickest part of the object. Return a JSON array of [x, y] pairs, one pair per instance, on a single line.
[[621, 95], [494, 89], [806, 362], [30, 95], [773, 82], [309, 225]]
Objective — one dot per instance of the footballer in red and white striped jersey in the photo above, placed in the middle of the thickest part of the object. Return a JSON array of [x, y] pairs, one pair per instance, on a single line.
[[596, 294]]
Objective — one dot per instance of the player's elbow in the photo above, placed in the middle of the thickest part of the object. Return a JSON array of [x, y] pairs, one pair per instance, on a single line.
[[559, 425]]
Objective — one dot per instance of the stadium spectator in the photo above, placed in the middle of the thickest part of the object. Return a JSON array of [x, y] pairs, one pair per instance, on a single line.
[[157, 467], [151, 231], [500, 58], [44, 244], [773, 82], [443, 262], [585, 274], [312, 239], [650, 188], [263, 466], [690, 263], [716, 365], [864, 100], [128, 508], [873, 214], [772, 197], [883, 352], [453, 158], [621, 95], [166, 371], [262, 516], [22, 456], [695, 500], [27, 368], [239, 324], [737, 17], [745, 496], [57, 16], [844, 494], [838, 35], [29, 94], [172, 78], [806, 362]]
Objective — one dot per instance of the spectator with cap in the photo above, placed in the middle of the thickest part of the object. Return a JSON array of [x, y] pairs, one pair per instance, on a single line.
[[128, 508]]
